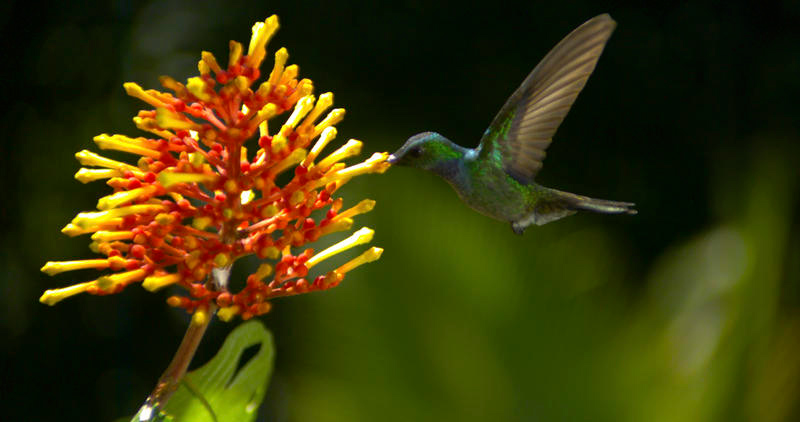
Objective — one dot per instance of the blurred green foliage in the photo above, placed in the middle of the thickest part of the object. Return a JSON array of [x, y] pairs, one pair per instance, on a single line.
[[685, 312]]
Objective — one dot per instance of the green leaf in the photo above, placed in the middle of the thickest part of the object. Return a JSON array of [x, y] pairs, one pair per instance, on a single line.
[[216, 392]]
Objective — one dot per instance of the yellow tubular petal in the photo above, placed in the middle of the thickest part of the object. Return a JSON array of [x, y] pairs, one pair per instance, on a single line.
[[235, 53], [197, 86], [53, 267], [363, 235], [154, 283], [86, 220], [327, 135], [85, 175], [375, 164], [263, 271], [211, 61], [227, 314], [168, 179], [292, 160], [289, 73], [136, 91], [351, 148], [51, 297], [267, 112], [109, 282], [247, 196], [337, 225], [172, 84], [262, 32], [171, 120], [334, 117], [116, 199], [372, 254], [150, 125], [363, 207], [106, 236], [125, 144], [88, 158], [277, 70], [324, 102], [300, 110], [200, 317]]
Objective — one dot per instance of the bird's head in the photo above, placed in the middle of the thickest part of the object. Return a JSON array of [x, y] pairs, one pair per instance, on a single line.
[[427, 151]]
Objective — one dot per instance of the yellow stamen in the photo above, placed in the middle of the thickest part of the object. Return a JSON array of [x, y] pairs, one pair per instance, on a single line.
[[116, 199], [51, 297], [88, 158], [235, 53], [363, 235], [262, 32], [351, 148], [106, 236], [337, 225], [372, 254], [85, 175], [125, 144], [227, 314], [334, 117], [149, 96], [157, 282], [170, 120], [168, 179], [277, 70]]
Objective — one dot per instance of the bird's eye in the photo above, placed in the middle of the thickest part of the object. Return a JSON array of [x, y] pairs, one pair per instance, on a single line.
[[416, 151]]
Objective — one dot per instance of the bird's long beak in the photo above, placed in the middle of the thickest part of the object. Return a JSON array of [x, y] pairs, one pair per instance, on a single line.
[[392, 159]]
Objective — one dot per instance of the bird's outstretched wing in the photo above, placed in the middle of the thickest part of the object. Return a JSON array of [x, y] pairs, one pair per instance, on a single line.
[[521, 132]]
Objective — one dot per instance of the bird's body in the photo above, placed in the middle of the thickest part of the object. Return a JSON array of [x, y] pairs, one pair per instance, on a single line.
[[496, 178]]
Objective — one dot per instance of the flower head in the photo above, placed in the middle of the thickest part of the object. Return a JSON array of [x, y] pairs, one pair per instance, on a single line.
[[196, 200]]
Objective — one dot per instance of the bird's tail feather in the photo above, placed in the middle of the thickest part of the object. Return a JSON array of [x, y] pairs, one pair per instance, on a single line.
[[575, 202]]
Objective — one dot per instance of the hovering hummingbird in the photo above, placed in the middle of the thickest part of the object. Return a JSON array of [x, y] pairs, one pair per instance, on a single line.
[[497, 177]]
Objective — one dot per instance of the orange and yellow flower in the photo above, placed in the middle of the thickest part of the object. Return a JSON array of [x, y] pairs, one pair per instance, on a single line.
[[196, 200]]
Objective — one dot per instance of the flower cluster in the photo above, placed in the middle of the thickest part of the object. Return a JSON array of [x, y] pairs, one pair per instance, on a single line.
[[196, 200]]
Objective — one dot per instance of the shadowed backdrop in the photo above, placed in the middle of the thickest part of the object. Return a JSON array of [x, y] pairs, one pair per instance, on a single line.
[[685, 312]]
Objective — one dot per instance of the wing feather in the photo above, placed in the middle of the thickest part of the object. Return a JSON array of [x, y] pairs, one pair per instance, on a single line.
[[523, 129]]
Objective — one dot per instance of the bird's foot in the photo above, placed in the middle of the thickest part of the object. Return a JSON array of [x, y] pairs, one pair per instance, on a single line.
[[517, 228]]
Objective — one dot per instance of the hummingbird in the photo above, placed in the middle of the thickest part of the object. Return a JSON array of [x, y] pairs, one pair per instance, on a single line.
[[496, 178]]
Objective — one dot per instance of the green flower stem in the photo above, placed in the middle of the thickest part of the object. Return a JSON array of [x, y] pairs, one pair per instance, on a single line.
[[172, 376]]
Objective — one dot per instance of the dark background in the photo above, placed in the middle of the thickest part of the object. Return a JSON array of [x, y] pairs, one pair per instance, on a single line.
[[685, 312]]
